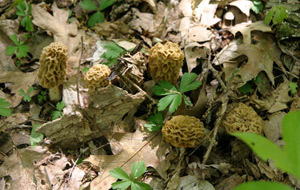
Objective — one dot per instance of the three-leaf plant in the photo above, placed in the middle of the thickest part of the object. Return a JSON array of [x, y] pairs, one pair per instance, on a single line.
[[173, 96], [4, 108], [277, 14], [113, 51], [155, 122], [27, 97], [24, 10], [137, 170], [20, 49], [286, 158], [42, 96], [98, 16], [58, 112]]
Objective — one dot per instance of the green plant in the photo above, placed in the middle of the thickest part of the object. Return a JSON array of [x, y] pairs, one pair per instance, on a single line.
[[173, 96], [257, 6], [58, 112], [246, 88], [277, 14], [27, 97], [20, 49], [112, 53], [155, 122], [35, 137], [4, 107], [24, 10], [137, 170], [98, 16], [42, 96], [286, 158], [293, 86]]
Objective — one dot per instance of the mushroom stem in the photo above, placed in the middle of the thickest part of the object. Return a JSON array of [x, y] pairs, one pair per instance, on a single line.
[[55, 93]]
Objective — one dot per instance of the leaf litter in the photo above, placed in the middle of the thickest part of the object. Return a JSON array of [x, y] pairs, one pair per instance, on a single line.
[[226, 45]]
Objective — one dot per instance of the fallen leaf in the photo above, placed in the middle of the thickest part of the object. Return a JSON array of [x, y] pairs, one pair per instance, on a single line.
[[135, 148], [243, 5], [193, 51], [192, 182], [205, 12], [246, 28], [272, 127]]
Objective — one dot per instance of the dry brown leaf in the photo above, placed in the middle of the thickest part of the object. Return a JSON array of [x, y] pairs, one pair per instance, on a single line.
[[132, 143], [272, 127], [19, 81], [193, 51], [243, 5], [205, 12], [247, 28]]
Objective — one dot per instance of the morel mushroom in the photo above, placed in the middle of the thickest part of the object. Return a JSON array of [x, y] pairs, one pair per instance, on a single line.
[[242, 118], [52, 71], [165, 62], [96, 77], [183, 131]]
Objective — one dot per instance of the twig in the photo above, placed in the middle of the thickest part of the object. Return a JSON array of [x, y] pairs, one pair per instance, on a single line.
[[78, 73], [51, 185], [74, 164]]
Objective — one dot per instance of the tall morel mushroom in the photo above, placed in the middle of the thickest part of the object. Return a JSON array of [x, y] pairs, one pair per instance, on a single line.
[[52, 71], [242, 118], [183, 131], [165, 61], [96, 77]]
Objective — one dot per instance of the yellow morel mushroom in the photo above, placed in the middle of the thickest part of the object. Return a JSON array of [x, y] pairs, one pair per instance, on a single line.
[[96, 77], [52, 71], [242, 118], [183, 131], [165, 61]]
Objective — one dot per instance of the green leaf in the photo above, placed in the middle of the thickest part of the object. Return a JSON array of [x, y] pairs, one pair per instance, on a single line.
[[35, 137], [269, 16], [14, 38], [10, 50], [28, 26], [187, 83], [160, 89], [31, 89], [119, 173], [60, 105], [155, 122], [88, 5], [23, 21], [22, 92], [22, 51], [113, 51], [263, 185], [21, 7], [246, 88], [97, 17], [175, 103], [265, 149], [293, 87], [187, 101], [4, 108], [164, 102], [138, 169], [291, 135], [140, 186], [121, 185], [56, 114], [257, 6], [106, 3]]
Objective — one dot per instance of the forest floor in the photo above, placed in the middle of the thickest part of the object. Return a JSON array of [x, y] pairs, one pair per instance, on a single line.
[[176, 77]]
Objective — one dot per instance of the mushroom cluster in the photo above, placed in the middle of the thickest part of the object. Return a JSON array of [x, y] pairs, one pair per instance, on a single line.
[[183, 131], [52, 71], [165, 61], [242, 118], [96, 77]]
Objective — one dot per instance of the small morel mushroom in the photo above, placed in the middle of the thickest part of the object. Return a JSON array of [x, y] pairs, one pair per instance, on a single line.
[[183, 131], [165, 61], [96, 77], [52, 71], [242, 118]]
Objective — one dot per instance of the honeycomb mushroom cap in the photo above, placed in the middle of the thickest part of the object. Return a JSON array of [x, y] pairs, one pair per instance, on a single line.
[[183, 131], [165, 61], [53, 63], [96, 77], [242, 118]]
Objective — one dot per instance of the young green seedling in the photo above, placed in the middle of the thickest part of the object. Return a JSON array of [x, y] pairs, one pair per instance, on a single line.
[[4, 108], [155, 122], [20, 49], [27, 97], [173, 96], [113, 51], [24, 10], [42, 96], [58, 112], [98, 16], [137, 170]]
